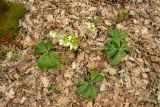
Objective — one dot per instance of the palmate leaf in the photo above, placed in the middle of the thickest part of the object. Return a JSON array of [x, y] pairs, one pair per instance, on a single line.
[[40, 48], [125, 47], [117, 47], [110, 32], [111, 50], [95, 76], [91, 92], [49, 45], [123, 35], [48, 60], [117, 58], [117, 33], [111, 53], [82, 86], [87, 88], [107, 45], [43, 47], [117, 41]]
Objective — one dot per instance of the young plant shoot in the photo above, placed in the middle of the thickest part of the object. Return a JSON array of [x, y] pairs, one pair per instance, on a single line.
[[117, 46], [87, 88], [48, 59]]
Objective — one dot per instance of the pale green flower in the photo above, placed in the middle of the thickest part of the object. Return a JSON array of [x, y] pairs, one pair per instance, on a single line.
[[68, 40]]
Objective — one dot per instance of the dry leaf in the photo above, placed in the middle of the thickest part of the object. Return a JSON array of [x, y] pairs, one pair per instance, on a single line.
[[45, 81], [63, 101], [23, 100], [2, 88], [89, 104], [10, 94], [2, 104]]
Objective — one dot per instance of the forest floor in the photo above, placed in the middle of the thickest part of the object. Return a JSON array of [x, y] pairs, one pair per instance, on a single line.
[[135, 82]]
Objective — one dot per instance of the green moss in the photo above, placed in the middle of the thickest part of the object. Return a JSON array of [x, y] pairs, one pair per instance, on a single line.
[[3, 6], [9, 17]]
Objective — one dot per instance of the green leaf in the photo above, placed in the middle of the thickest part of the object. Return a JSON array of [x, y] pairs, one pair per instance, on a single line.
[[49, 45], [40, 48], [52, 88], [43, 47], [116, 40], [125, 47], [110, 32], [110, 53], [95, 76], [153, 96], [117, 46], [86, 89], [117, 58], [82, 86], [107, 45], [123, 35], [90, 92], [48, 60], [117, 32]]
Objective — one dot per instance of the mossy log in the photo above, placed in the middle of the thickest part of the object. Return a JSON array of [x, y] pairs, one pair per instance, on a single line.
[[10, 14]]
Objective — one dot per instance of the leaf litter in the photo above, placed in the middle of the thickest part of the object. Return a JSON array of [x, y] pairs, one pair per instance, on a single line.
[[129, 84]]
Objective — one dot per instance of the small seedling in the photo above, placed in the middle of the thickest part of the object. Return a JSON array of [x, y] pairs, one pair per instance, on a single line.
[[122, 15], [48, 59], [68, 62], [52, 88], [154, 97], [98, 20], [117, 47], [68, 40], [87, 88], [15, 56]]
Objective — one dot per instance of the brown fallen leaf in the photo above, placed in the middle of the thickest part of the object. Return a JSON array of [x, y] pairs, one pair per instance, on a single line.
[[10, 94], [45, 81]]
